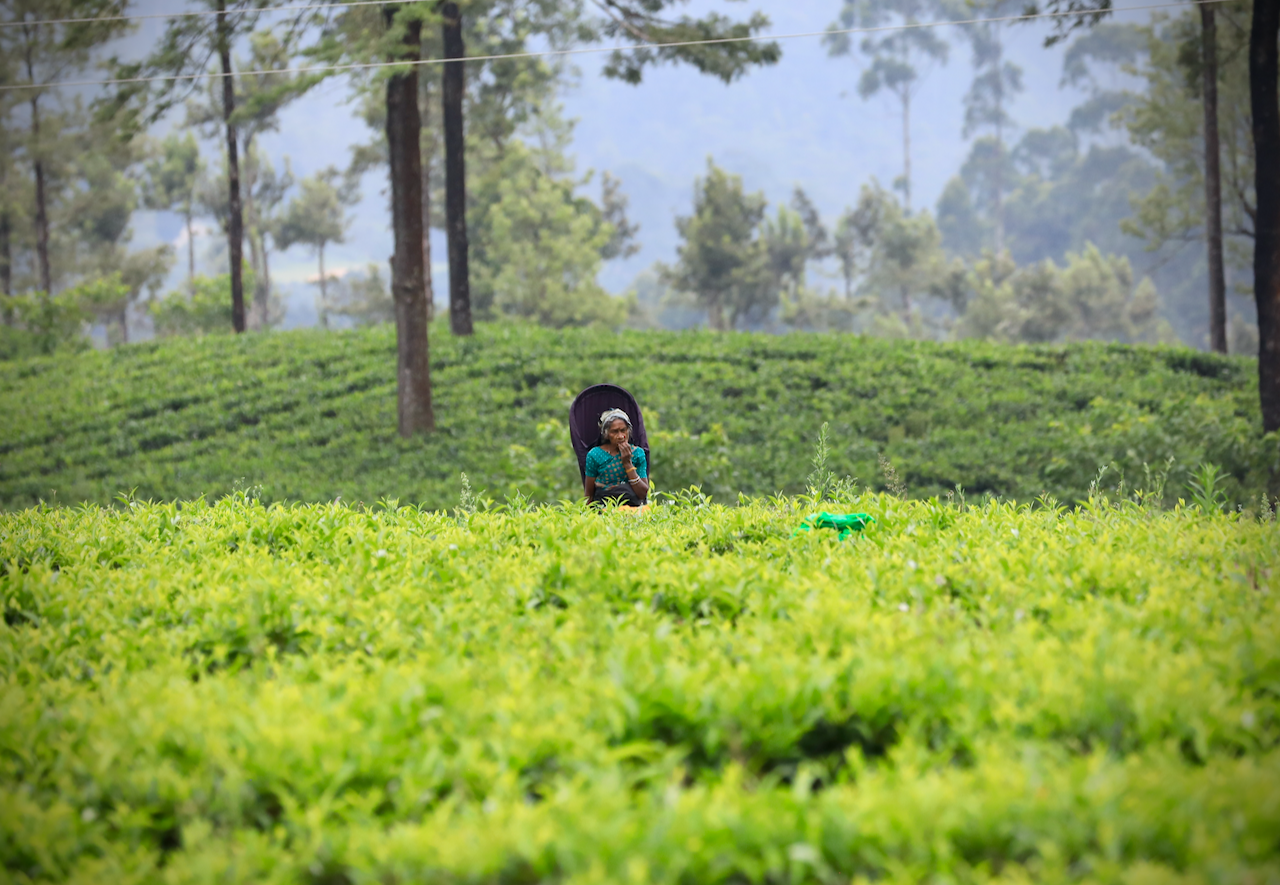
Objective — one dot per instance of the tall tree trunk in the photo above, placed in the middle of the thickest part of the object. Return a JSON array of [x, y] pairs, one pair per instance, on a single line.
[[428, 153], [235, 215], [404, 133], [255, 265], [6, 250], [42, 211], [999, 191], [1264, 67], [324, 292], [42, 232], [191, 251], [264, 283], [42, 207], [1213, 184], [715, 316], [906, 148], [999, 178], [455, 173], [6, 228], [253, 234]]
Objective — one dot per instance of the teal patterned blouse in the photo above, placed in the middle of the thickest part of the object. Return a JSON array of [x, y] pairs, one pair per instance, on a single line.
[[607, 469]]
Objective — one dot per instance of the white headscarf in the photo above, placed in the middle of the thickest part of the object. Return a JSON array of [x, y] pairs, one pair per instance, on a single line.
[[608, 417]]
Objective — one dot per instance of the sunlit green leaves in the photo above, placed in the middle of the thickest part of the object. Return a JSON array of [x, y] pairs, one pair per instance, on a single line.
[[237, 692]]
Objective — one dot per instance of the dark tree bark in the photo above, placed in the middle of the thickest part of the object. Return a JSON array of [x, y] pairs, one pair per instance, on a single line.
[[906, 150], [324, 291], [1265, 104], [455, 172], [42, 208], [1213, 184], [6, 229], [191, 251], [255, 265], [404, 133], [424, 105], [999, 182], [235, 214], [265, 285], [257, 308], [42, 230], [6, 251]]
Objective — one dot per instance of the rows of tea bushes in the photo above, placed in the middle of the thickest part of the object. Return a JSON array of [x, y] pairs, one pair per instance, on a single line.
[[230, 692], [310, 415]]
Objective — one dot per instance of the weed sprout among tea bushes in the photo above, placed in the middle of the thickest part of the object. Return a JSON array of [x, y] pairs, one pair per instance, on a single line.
[[235, 691]]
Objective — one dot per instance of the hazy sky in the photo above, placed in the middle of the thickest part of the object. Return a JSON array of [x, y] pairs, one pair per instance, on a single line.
[[797, 122]]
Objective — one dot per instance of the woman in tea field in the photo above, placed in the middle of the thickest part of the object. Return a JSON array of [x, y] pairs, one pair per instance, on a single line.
[[615, 469]]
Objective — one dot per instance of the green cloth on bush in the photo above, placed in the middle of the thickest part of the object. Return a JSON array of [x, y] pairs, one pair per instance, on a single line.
[[844, 523]]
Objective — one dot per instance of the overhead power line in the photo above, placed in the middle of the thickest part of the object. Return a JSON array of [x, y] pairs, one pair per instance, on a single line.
[[364, 66]]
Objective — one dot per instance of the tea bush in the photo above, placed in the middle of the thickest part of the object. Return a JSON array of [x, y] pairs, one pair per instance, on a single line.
[[310, 416], [234, 692]]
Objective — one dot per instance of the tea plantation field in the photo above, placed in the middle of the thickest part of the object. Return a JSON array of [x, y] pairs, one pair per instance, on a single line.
[[225, 691], [310, 416]]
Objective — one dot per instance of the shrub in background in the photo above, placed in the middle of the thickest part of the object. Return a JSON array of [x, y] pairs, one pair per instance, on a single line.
[[203, 310]]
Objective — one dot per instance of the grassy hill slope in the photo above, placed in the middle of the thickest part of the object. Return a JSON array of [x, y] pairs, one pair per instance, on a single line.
[[310, 416]]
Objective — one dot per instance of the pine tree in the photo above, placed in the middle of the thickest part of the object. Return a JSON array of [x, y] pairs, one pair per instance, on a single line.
[[44, 53], [723, 262], [184, 56], [896, 61], [317, 217], [986, 105], [172, 177]]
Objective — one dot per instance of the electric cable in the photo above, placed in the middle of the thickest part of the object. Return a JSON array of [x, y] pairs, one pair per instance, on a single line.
[[585, 50]]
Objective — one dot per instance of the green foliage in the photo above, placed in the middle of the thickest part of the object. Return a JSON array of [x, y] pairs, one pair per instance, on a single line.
[[822, 484], [1206, 488], [734, 50], [898, 56], [317, 215], [52, 132], [35, 323], [173, 170], [1057, 196], [1092, 296], [327, 693], [361, 295], [1067, 186], [311, 416], [724, 262], [996, 80], [203, 310], [538, 247], [1114, 45], [905, 260], [1167, 118]]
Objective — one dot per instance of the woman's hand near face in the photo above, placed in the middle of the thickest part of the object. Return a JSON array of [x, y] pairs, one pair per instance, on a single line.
[[624, 449]]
